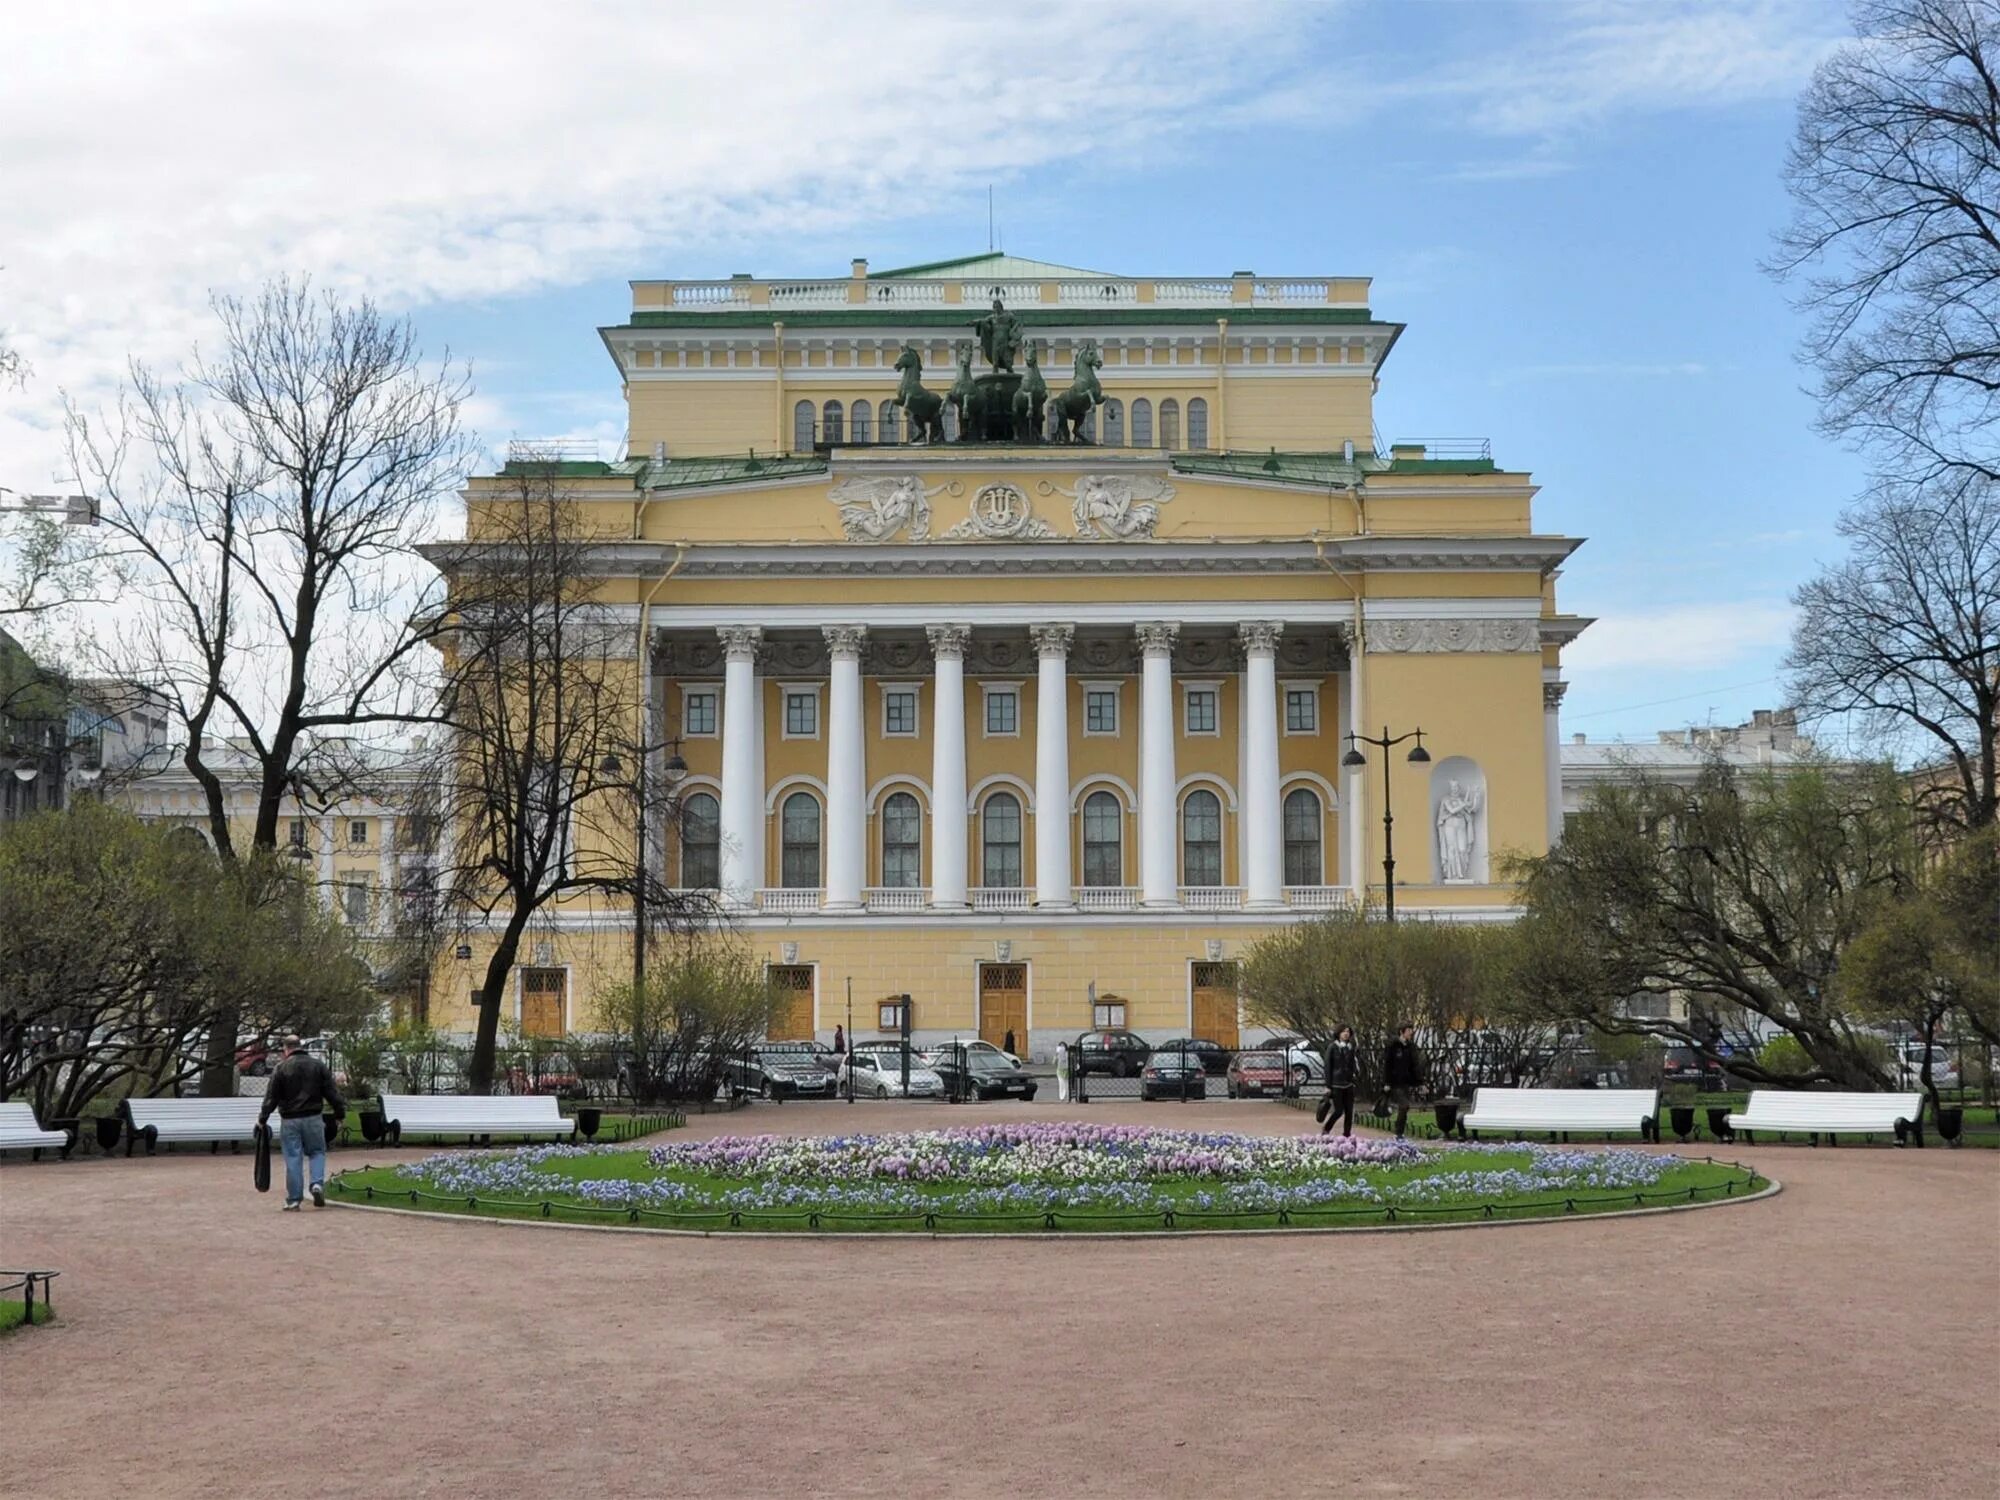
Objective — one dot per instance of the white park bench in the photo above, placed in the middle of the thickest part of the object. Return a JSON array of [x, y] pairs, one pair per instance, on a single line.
[[1559, 1111], [170, 1120], [469, 1115], [21, 1131], [1822, 1114]]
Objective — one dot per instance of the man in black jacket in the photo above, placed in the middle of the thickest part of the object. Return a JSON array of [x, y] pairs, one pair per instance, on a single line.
[[1403, 1074], [301, 1091], [1341, 1066]]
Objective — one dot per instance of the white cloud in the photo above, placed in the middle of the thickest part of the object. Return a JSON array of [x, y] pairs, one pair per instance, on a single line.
[[1612, 370], [1680, 637]]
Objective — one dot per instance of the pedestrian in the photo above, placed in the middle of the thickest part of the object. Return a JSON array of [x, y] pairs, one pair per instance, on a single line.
[[1341, 1067], [1403, 1074], [301, 1090], [839, 1041], [1007, 1042]]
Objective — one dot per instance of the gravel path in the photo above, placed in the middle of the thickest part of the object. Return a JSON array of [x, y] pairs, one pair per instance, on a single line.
[[1836, 1340]]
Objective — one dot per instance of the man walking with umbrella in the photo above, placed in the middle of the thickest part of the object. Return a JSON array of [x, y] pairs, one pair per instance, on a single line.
[[301, 1091]]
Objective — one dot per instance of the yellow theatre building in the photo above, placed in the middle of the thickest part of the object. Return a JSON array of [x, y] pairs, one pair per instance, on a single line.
[[1014, 724]]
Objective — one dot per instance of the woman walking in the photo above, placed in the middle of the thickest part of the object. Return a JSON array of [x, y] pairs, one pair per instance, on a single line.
[[1341, 1066]]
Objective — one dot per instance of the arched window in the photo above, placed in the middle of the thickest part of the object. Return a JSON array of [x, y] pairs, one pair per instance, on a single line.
[[902, 843], [1114, 424], [864, 421], [1000, 841], [891, 420], [1303, 823], [1142, 423], [1170, 424], [1201, 838], [1103, 840], [802, 427], [701, 842], [833, 422], [798, 833], [1197, 422]]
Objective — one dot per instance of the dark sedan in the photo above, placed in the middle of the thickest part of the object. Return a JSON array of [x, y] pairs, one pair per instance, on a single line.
[[1117, 1052], [1176, 1074], [782, 1070], [982, 1075], [1214, 1056]]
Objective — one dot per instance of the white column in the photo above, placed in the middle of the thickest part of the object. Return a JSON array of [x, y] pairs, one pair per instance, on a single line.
[[1158, 845], [1354, 820], [1552, 697], [846, 771], [742, 779], [326, 891], [385, 871], [948, 814], [1264, 870], [1052, 882]]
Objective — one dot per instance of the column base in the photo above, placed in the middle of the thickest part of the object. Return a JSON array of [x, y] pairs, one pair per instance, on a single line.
[[1265, 903], [1055, 906], [1159, 903], [949, 906], [839, 907]]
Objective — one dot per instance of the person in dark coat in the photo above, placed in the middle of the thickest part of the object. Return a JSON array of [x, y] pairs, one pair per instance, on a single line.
[[839, 1041], [1342, 1066], [301, 1090], [1403, 1074], [1007, 1043]]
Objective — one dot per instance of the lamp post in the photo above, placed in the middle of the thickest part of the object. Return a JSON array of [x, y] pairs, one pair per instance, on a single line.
[[676, 771], [1419, 756]]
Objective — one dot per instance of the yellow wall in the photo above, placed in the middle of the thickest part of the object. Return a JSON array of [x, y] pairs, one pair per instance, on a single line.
[[695, 416]]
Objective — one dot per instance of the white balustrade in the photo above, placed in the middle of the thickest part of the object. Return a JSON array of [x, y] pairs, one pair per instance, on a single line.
[[1212, 897], [1097, 293], [1319, 897], [790, 899], [898, 897], [1290, 293], [711, 294], [905, 293], [1107, 897], [810, 294], [1192, 293], [1001, 898]]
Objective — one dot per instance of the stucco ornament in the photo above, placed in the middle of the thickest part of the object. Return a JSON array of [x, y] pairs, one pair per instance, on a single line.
[[1001, 513], [874, 510], [1503, 635], [1458, 830], [1117, 505]]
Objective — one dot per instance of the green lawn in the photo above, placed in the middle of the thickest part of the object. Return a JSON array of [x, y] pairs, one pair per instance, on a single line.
[[11, 1314], [1981, 1126], [930, 1210]]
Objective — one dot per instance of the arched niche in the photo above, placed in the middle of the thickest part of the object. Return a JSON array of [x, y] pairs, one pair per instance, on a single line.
[[1458, 822]]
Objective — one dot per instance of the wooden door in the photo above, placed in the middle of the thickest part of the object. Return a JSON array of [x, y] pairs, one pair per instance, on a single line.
[[1003, 1005], [543, 996], [792, 1002], [1215, 1003]]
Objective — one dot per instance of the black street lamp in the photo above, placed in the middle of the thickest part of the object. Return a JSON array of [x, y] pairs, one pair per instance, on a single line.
[[1419, 756], [676, 771]]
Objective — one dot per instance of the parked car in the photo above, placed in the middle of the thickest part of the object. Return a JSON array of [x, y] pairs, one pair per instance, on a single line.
[[1214, 1056], [781, 1070], [972, 1045], [877, 1074], [984, 1075], [1257, 1073], [1173, 1073], [1305, 1062], [1117, 1052]]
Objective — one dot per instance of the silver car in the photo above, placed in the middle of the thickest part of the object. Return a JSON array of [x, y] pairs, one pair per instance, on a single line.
[[1303, 1061], [879, 1075], [973, 1048]]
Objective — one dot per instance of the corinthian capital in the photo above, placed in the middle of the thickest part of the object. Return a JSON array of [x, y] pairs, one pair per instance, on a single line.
[[1260, 637], [1552, 695], [739, 642], [1156, 637], [844, 642], [949, 640], [1052, 641]]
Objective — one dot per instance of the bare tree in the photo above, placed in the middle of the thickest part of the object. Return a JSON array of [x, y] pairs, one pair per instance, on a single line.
[[272, 497], [1905, 634], [1894, 243], [546, 698]]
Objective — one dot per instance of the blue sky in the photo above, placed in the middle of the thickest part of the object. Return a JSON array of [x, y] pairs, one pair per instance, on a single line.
[[1566, 203]]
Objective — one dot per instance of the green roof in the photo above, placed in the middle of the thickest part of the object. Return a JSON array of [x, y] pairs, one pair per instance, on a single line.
[[735, 468], [566, 468], [1321, 468], [994, 263], [961, 317]]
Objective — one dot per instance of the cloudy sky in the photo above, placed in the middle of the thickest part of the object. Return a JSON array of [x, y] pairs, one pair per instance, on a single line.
[[1566, 202]]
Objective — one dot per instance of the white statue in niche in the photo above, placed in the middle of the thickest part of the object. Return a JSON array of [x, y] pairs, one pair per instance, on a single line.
[[1458, 829]]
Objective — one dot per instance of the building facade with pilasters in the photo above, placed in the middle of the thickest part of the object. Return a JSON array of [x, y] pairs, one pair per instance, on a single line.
[[1044, 734]]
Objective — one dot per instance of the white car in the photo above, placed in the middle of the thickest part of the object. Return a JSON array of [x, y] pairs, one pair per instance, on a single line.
[[879, 1075], [1305, 1062], [974, 1047]]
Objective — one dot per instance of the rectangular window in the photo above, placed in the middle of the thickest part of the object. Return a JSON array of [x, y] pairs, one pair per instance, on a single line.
[[1301, 711], [354, 899], [802, 716], [1003, 712], [899, 711], [298, 833], [1201, 711], [1100, 710], [1108, 1013], [357, 832], [698, 714]]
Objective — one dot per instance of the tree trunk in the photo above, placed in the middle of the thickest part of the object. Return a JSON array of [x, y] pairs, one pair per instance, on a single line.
[[487, 1036]]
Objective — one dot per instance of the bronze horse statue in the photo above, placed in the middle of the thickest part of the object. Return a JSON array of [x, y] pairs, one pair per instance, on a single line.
[[961, 393], [925, 409], [1084, 393], [1031, 400]]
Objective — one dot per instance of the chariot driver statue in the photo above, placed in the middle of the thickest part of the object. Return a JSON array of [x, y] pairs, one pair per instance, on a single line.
[[999, 336]]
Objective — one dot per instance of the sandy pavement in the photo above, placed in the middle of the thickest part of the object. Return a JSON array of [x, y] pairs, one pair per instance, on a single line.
[[1839, 1339]]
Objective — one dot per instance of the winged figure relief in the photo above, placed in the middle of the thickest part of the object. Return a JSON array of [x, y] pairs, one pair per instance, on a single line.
[[874, 510], [1117, 505]]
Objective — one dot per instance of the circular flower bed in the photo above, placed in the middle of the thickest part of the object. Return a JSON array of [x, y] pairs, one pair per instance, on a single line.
[[1043, 1176]]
